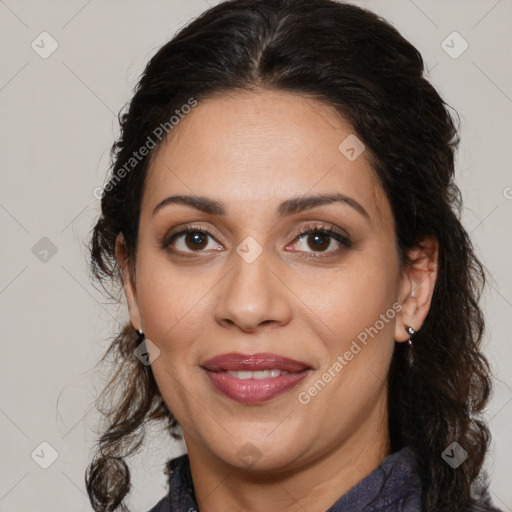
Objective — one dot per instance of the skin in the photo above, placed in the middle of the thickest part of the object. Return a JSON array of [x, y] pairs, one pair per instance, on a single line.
[[251, 151]]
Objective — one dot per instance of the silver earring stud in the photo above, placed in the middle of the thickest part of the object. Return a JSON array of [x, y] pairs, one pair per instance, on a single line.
[[411, 331], [141, 332]]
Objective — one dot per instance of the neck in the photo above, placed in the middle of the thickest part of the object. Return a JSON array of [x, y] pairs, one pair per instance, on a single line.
[[315, 485]]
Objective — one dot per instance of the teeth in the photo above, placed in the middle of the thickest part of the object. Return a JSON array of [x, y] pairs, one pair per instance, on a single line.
[[261, 374], [258, 375]]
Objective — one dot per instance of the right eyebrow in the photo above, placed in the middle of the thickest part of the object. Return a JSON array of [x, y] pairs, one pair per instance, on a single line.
[[203, 204]]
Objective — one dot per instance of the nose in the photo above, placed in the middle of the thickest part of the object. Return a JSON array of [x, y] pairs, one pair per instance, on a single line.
[[252, 296]]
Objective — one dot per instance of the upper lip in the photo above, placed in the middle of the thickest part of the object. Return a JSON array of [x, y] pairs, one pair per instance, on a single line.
[[253, 362]]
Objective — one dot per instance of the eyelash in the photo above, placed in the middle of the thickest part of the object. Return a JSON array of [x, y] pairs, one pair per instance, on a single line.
[[300, 232]]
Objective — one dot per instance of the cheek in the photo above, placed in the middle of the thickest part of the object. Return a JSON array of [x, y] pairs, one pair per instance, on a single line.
[[355, 301], [357, 347], [357, 309], [173, 311], [172, 303]]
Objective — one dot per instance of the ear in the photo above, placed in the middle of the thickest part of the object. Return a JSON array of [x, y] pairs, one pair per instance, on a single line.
[[417, 287], [128, 282]]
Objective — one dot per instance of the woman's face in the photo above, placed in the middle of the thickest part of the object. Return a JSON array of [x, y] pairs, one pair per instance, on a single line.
[[244, 291]]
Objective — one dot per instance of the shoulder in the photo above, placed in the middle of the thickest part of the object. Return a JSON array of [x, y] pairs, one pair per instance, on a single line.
[[401, 488], [180, 497], [394, 486]]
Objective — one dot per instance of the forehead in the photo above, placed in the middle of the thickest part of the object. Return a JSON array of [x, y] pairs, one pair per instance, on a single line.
[[253, 149]]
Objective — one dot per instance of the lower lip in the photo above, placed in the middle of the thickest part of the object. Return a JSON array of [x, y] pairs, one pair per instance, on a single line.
[[254, 391]]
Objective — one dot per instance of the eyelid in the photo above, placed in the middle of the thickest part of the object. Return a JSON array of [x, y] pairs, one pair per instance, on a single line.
[[320, 227], [298, 232], [183, 230], [343, 239]]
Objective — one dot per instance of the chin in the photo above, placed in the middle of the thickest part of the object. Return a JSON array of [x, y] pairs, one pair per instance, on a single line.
[[256, 455]]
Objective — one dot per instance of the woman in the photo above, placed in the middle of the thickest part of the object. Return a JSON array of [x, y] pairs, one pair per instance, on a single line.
[[303, 299]]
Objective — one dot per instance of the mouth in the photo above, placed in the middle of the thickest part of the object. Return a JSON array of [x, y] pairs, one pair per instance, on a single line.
[[256, 378]]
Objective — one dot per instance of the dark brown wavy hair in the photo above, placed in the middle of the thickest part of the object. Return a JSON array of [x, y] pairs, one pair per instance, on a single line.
[[359, 64]]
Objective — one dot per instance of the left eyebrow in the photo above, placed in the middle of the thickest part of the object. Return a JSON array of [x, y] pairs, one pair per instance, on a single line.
[[288, 207], [301, 203]]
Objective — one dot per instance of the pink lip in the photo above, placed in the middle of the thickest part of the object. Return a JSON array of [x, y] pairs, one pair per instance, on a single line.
[[253, 391], [254, 362]]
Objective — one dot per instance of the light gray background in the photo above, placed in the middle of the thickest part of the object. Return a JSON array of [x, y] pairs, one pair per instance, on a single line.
[[58, 122]]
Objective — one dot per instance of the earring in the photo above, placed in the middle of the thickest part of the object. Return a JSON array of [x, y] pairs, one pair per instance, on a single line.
[[411, 331], [141, 333]]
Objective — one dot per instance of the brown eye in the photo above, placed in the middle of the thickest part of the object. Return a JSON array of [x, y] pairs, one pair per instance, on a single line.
[[191, 240], [318, 241], [196, 240]]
